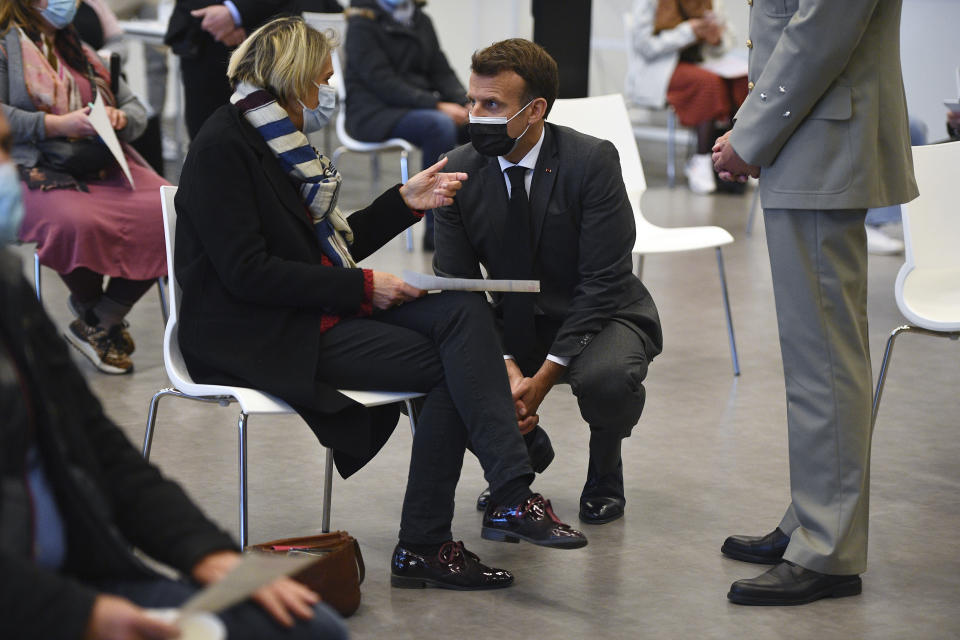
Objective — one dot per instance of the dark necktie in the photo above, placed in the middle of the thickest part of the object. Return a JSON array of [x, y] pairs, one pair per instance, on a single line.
[[520, 335]]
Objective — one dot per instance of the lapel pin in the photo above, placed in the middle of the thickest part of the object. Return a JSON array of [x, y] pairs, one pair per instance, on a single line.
[[548, 170]]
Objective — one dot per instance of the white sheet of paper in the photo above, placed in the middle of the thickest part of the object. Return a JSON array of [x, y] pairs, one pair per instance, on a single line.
[[254, 571], [101, 122], [436, 283], [728, 66]]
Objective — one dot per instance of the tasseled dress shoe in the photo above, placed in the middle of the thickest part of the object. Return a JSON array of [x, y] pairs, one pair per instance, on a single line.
[[541, 455], [789, 584], [602, 499], [534, 521], [451, 567], [766, 549]]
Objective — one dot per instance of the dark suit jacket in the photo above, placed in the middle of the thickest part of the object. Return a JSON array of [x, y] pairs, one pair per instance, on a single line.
[[187, 39], [254, 289], [583, 229], [393, 68]]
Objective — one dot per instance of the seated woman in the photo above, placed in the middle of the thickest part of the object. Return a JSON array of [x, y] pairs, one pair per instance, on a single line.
[[87, 221], [669, 40], [273, 299], [399, 83]]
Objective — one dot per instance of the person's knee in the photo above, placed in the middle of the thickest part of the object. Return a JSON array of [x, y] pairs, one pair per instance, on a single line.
[[610, 393]]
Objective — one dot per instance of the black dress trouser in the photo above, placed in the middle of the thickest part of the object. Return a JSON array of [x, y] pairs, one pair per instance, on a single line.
[[446, 346]]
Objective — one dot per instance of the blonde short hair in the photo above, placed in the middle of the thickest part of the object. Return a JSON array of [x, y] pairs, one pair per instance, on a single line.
[[284, 57]]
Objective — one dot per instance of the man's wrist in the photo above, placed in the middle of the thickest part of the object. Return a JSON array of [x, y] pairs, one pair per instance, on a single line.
[[234, 13]]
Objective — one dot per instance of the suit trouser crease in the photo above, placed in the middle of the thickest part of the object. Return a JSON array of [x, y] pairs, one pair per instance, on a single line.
[[444, 345], [819, 265]]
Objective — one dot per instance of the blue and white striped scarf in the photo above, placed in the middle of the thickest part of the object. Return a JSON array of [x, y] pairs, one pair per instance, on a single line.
[[318, 179]]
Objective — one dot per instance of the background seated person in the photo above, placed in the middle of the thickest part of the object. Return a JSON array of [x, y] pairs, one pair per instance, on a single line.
[[86, 220], [669, 39], [399, 83], [77, 497], [273, 299]]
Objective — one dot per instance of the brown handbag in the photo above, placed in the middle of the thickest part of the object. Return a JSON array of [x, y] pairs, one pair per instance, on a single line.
[[338, 572]]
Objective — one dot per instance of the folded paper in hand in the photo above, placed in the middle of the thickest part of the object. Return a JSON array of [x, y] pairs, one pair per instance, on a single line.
[[101, 122], [436, 283]]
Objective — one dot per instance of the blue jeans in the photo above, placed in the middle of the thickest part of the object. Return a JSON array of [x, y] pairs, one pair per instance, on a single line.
[[435, 133], [244, 621], [886, 215]]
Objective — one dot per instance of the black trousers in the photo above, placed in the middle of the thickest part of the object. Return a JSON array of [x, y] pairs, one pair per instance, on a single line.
[[607, 380], [205, 86], [446, 346]]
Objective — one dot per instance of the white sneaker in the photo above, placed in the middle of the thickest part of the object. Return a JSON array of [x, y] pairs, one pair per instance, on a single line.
[[700, 176], [880, 244]]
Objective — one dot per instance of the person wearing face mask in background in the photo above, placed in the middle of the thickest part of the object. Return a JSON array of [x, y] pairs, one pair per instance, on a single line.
[[88, 223], [77, 497], [273, 299], [548, 203], [399, 83]]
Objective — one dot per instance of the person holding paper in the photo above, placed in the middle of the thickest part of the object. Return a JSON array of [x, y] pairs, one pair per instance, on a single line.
[[273, 299], [89, 223], [77, 497], [670, 41], [826, 131], [547, 202]]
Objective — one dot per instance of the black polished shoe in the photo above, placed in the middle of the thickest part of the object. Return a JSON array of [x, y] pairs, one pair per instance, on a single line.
[[789, 584], [483, 499], [602, 499], [766, 549], [534, 521], [452, 567]]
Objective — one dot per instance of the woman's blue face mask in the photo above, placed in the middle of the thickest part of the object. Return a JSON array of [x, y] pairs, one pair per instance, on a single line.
[[59, 13]]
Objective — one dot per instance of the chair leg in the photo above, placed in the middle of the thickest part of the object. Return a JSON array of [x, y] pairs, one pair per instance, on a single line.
[[242, 463], [726, 309], [412, 414], [327, 492], [36, 274], [404, 176], [639, 268], [164, 307], [754, 205], [671, 147], [151, 421]]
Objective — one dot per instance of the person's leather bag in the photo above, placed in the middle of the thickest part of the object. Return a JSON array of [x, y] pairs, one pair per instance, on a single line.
[[337, 574]]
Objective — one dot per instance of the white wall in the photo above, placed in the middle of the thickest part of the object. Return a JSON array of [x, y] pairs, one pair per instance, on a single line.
[[930, 54]]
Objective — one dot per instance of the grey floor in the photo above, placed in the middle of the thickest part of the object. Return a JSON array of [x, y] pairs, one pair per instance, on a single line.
[[708, 459]]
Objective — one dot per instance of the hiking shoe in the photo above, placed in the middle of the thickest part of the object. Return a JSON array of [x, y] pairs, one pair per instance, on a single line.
[[126, 343], [99, 346]]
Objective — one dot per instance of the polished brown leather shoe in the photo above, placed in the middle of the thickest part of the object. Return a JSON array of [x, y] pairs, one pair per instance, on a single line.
[[452, 567], [790, 584], [534, 521], [766, 549]]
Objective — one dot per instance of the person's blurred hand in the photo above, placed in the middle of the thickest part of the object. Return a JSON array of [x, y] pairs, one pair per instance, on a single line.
[[430, 188], [235, 37], [118, 119], [75, 124], [390, 291], [116, 618], [457, 112], [728, 164], [215, 20]]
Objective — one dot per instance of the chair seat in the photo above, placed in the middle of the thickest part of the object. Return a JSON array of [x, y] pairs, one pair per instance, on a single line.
[[653, 239], [368, 147], [930, 298]]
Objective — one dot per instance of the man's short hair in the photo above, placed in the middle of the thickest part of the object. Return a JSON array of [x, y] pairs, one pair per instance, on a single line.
[[528, 60]]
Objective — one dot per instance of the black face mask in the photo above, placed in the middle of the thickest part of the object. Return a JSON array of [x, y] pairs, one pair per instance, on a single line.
[[489, 134]]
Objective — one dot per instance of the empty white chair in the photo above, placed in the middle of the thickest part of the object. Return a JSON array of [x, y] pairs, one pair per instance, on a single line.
[[928, 284], [606, 117], [251, 401]]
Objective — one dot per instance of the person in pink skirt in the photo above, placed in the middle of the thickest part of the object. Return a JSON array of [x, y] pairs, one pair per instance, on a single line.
[[103, 236]]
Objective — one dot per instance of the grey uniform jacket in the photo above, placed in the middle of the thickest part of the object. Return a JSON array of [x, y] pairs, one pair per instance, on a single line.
[[826, 117], [26, 123]]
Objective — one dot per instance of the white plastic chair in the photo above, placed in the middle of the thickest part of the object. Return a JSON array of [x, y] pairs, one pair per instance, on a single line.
[[606, 117], [250, 400], [928, 284], [347, 143]]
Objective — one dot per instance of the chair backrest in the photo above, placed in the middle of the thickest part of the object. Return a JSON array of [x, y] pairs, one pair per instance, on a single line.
[[606, 117], [931, 222], [172, 358], [325, 22]]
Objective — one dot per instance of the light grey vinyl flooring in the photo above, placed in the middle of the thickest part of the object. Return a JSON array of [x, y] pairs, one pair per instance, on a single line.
[[707, 459]]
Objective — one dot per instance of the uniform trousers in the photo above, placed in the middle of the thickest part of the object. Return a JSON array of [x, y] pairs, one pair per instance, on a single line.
[[818, 260]]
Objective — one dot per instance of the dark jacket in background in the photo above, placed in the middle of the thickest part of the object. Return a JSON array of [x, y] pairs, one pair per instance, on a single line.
[[391, 69], [254, 289], [108, 496]]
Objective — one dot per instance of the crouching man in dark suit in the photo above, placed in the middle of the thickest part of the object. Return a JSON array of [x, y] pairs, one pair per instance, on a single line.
[[548, 203]]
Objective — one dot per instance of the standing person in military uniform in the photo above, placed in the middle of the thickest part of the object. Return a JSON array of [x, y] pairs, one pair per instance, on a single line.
[[825, 128]]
